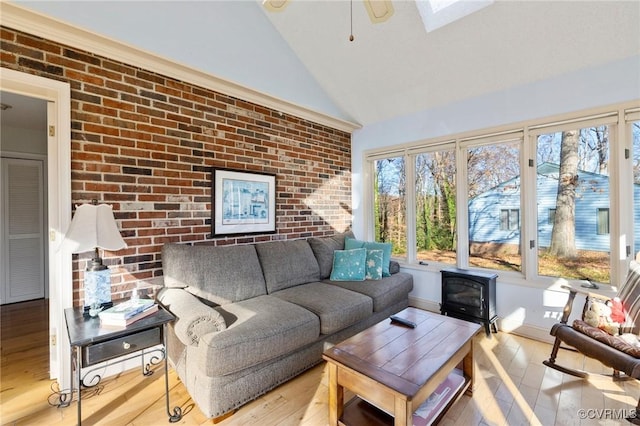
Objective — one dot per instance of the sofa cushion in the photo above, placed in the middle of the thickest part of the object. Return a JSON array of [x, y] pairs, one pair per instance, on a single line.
[[287, 263], [351, 243], [323, 249], [374, 265], [385, 292], [349, 265], [604, 337], [258, 330], [336, 307], [220, 274]]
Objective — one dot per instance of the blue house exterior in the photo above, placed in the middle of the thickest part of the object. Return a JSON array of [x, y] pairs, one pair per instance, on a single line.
[[494, 216]]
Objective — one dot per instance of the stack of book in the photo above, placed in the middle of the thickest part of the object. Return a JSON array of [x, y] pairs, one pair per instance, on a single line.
[[125, 313]]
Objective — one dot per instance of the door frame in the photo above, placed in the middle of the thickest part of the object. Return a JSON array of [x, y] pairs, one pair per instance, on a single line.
[[58, 96]]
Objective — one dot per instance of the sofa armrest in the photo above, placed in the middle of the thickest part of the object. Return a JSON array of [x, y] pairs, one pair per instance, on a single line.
[[394, 267], [194, 319]]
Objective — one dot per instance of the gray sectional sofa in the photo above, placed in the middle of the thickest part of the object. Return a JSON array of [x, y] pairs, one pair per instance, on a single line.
[[250, 317]]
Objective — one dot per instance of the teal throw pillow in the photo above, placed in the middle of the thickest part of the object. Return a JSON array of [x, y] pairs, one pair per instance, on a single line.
[[351, 243], [349, 265], [374, 265]]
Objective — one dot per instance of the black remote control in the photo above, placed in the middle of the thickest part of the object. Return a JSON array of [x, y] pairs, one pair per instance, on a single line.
[[399, 320]]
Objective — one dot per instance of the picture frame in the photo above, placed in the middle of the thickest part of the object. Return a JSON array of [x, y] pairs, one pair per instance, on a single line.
[[243, 202]]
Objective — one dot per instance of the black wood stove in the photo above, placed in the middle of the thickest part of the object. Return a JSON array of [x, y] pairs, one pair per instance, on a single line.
[[470, 295]]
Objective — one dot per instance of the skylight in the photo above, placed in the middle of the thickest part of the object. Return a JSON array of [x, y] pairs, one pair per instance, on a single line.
[[438, 13]]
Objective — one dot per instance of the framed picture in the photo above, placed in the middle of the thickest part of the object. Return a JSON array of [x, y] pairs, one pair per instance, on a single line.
[[242, 202]]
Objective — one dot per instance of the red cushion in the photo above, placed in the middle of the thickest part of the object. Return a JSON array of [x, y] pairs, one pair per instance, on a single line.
[[617, 311]]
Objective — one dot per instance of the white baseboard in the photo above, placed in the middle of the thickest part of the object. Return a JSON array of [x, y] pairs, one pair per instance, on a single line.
[[424, 304], [526, 330], [504, 325]]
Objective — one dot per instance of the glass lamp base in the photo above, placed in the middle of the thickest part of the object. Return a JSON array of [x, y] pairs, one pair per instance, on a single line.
[[97, 289]]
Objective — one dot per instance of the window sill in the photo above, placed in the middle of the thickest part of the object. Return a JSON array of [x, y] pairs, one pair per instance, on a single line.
[[512, 278]]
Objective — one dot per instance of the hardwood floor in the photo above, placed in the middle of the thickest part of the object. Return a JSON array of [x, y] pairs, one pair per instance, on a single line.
[[512, 388]]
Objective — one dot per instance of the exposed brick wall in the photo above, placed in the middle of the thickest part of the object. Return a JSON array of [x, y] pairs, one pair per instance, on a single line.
[[146, 144]]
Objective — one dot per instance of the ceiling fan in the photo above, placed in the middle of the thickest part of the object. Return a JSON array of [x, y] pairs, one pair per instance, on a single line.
[[434, 13], [378, 10]]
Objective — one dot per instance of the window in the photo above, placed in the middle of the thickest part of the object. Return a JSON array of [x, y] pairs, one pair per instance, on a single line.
[[602, 222], [509, 219], [572, 178], [390, 204], [493, 187], [543, 200], [435, 174], [438, 13]]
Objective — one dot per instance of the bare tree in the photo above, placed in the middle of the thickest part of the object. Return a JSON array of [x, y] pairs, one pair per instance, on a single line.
[[423, 189], [563, 235], [381, 203], [435, 200], [445, 211], [390, 203], [400, 235], [595, 141]]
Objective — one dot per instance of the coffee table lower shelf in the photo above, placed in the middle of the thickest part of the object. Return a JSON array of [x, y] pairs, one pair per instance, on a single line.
[[358, 412]]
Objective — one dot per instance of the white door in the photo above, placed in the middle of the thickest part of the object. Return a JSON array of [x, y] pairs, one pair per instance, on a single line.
[[23, 272]]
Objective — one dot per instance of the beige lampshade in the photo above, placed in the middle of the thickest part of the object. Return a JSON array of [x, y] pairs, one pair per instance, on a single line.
[[93, 226]]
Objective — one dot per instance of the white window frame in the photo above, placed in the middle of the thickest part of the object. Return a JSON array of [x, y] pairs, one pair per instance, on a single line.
[[411, 154], [462, 200], [609, 118]]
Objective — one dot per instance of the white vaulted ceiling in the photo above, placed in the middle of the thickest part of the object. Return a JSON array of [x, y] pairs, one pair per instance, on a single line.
[[303, 55]]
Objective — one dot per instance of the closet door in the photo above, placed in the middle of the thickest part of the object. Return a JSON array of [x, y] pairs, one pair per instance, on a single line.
[[22, 230]]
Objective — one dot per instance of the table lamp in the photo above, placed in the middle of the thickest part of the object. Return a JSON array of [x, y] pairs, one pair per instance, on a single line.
[[93, 227]]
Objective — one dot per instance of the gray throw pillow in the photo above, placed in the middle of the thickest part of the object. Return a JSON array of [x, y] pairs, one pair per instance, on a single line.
[[323, 249]]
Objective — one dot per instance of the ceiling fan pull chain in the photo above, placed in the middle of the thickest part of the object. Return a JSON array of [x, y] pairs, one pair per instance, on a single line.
[[351, 34]]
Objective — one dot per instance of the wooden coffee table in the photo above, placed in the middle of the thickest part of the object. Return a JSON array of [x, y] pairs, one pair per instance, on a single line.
[[393, 369]]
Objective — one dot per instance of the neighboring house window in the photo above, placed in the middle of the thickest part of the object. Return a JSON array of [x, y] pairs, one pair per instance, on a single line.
[[602, 222], [509, 219], [551, 216]]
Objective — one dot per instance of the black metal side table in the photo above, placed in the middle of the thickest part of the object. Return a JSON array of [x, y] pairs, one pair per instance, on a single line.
[[92, 344]]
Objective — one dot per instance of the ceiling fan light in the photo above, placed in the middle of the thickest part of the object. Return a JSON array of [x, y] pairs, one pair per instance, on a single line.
[[275, 5], [379, 10]]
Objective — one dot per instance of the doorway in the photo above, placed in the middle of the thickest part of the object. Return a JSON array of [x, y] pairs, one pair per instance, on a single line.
[[23, 149], [57, 172]]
